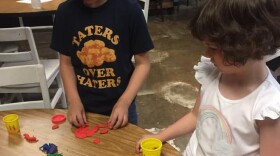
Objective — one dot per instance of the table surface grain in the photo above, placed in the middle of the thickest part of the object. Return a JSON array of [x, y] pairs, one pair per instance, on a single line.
[[120, 142]]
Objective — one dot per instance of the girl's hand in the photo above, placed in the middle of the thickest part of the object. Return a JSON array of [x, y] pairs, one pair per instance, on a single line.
[[76, 115], [138, 143]]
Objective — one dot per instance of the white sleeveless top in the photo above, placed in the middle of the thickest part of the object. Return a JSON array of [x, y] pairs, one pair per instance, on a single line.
[[228, 127]]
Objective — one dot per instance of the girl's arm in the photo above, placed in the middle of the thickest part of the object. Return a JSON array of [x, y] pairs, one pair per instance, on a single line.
[[183, 126], [269, 137]]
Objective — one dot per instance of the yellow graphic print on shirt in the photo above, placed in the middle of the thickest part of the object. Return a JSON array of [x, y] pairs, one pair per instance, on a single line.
[[94, 53]]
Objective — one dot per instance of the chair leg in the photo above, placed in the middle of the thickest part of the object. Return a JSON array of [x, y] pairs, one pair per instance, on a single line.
[[63, 97], [19, 97], [1, 98], [176, 4], [161, 10]]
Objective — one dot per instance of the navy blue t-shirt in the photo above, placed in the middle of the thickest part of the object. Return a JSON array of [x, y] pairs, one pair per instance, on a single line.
[[101, 42]]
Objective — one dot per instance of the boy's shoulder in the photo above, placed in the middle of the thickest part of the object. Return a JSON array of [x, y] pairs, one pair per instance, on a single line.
[[69, 4]]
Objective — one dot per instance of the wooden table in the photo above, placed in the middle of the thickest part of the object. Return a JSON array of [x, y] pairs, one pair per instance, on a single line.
[[120, 142], [12, 9]]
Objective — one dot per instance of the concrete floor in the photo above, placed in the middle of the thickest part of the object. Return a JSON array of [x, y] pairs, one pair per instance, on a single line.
[[170, 90]]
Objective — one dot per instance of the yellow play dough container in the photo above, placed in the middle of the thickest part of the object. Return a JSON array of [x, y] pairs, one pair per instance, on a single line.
[[151, 147], [11, 122]]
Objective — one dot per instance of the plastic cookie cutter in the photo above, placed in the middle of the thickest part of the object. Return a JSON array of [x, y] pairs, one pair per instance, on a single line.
[[58, 118], [54, 154], [49, 148]]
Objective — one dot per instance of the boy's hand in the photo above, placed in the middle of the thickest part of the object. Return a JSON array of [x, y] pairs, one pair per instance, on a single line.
[[119, 116], [76, 115]]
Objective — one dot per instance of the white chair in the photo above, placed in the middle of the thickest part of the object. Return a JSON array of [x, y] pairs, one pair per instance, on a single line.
[[30, 57], [49, 26], [22, 75], [145, 8]]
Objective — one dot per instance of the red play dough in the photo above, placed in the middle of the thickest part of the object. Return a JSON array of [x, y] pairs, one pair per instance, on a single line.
[[95, 128], [96, 141], [81, 133], [55, 126], [104, 131], [90, 132], [86, 131], [58, 118], [29, 138], [107, 125]]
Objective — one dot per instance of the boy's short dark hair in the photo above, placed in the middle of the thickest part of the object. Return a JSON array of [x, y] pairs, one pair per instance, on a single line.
[[242, 28]]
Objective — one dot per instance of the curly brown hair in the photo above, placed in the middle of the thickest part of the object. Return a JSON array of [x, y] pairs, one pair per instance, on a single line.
[[242, 28]]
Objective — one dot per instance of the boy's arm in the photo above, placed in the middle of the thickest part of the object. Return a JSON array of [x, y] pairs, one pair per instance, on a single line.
[[269, 136], [142, 68], [76, 113], [119, 116]]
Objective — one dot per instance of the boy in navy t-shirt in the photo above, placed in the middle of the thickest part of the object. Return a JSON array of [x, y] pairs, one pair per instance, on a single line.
[[96, 40]]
